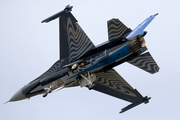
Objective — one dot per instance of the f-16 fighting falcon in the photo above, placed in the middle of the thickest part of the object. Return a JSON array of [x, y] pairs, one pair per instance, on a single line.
[[83, 64]]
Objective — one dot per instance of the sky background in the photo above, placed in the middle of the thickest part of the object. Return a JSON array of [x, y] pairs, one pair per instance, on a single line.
[[28, 48]]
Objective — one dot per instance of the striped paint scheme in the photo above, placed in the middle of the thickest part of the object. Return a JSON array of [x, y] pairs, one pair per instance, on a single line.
[[145, 62], [78, 41], [113, 84], [53, 69], [116, 29], [113, 80]]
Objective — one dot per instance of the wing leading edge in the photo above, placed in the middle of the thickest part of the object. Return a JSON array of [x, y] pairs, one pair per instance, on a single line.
[[73, 40], [113, 84]]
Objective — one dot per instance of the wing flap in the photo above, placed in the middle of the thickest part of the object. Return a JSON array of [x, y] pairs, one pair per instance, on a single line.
[[145, 62], [113, 84]]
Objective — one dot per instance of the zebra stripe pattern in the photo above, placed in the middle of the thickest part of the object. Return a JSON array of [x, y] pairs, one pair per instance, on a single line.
[[113, 80], [145, 62], [53, 69], [78, 41], [116, 29]]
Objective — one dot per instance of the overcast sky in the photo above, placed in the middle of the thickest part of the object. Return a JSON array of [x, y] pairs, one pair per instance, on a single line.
[[28, 48]]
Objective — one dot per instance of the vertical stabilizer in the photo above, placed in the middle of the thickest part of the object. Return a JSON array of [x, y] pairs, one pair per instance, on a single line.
[[139, 30]]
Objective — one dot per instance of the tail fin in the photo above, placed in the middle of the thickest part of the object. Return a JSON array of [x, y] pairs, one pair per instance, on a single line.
[[73, 40], [139, 29], [144, 61]]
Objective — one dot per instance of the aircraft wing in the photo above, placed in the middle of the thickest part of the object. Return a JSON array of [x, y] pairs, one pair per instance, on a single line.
[[113, 84], [73, 40]]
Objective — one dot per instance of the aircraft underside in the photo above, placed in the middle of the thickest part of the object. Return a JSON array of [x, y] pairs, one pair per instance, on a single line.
[[83, 64]]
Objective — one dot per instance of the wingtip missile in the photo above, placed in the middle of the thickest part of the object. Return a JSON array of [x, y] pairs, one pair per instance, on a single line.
[[144, 100], [67, 9], [6, 102]]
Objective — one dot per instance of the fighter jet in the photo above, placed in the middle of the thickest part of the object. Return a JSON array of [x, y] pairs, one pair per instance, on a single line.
[[83, 64]]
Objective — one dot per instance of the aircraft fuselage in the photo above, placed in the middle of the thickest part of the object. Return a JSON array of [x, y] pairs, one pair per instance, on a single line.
[[83, 64], [112, 52]]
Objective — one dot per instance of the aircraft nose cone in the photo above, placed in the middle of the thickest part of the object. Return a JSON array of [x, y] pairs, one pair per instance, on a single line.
[[17, 96]]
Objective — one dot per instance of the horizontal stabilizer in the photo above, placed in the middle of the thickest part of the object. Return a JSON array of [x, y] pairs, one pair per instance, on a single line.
[[117, 29], [145, 62], [142, 50]]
